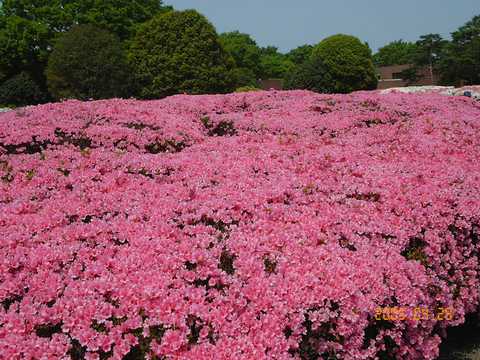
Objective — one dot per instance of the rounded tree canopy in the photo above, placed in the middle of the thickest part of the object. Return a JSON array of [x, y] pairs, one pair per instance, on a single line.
[[348, 62], [21, 90], [118, 16], [395, 53], [244, 50], [179, 52], [87, 63]]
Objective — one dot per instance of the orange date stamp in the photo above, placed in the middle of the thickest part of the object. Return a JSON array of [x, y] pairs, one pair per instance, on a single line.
[[414, 314]]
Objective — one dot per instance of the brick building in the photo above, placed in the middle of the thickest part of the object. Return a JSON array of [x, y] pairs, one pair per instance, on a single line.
[[268, 84], [391, 76]]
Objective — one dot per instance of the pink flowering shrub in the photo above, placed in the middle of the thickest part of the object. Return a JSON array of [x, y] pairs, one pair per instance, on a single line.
[[265, 225]]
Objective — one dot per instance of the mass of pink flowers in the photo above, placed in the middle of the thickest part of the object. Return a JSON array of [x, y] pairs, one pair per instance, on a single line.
[[266, 225]]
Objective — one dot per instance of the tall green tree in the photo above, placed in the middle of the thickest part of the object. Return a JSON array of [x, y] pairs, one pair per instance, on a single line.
[[395, 53], [245, 52], [28, 28], [274, 64], [117, 16], [178, 52], [429, 52], [461, 57], [347, 62], [310, 75], [300, 54], [24, 46], [20, 90], [88, 63]]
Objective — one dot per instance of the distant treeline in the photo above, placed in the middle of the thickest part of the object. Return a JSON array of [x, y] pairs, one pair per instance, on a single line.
[[455, 61], [87, 49]]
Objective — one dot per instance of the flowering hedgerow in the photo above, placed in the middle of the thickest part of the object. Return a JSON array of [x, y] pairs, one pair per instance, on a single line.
[[265, 225]]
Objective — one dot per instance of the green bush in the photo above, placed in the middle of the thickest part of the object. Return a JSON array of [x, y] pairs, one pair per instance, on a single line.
[[243, 77], [311, 75], [244, 51], [21, 90], [459, 60], [395, 53], [300, 54], [29, 28], [247, 89], [87, 63], [275, 65], [347, 62], [179, 52]]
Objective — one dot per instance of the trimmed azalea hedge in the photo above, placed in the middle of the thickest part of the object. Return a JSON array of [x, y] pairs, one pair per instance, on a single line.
[[264, 225]]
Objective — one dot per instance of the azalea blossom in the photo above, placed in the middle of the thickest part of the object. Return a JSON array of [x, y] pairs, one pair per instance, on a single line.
[[264, 225]]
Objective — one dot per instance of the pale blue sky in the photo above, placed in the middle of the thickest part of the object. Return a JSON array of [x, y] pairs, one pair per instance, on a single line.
[[289, 23]]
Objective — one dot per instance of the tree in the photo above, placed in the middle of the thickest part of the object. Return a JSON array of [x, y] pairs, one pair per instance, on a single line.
[[300, 54], [395, 53], [244, 51], [118, 16], [310, 75], [461, 58], [21, 90], [274, 64], [347, 62], [28, 28], [87, 63], [178, 52], [243, 77], [23, 46], [429, 51]]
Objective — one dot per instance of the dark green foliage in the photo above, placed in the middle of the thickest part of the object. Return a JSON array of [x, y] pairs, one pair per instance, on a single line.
[[190, 266], [87, 63], [21, 90], [227, 260], [243, 77], [429, 50], [143, 348], [300, 54], [32, 147], [223, 128], [6, 303], [47, 330], [180, 52], [99, 327], [274, 64], [347, 62], [77, 351], [311, 75], [81, 141], [195, 325], [166, 146], [246, 54], [29, 28], [243, 49], [461, 58], [415, 251], [23, 46], [247, 89], [410, 75], [270, 266], [395, 53], [118, 16], [313, 336], [371, 333]]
